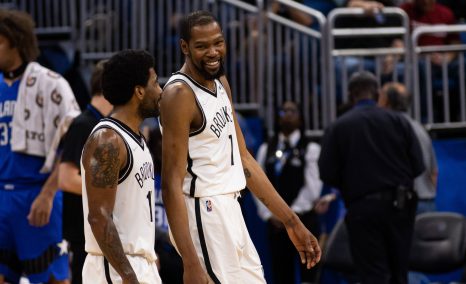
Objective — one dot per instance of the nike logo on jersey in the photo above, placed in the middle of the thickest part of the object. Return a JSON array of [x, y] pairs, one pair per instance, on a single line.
[[145, 172], [222, 117]]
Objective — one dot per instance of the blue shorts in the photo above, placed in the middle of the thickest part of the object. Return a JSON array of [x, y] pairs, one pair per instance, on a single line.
[[36, 252]]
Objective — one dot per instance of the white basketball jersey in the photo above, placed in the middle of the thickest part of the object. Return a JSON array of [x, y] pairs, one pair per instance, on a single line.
[[133, 213], [214, 162]]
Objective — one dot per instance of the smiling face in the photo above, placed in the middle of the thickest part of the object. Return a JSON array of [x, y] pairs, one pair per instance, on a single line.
[[205, 50]]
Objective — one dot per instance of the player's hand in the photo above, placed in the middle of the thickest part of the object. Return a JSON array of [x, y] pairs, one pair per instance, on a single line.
[[195, 274], [41, 208], [305, 242]]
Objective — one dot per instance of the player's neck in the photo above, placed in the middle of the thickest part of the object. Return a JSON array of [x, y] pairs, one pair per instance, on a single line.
[[196, 76], [130, 118], [14, 71]]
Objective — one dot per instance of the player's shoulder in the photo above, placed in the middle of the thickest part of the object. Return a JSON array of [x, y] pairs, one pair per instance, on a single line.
[[105, 134], [177, 94], [176, 88]]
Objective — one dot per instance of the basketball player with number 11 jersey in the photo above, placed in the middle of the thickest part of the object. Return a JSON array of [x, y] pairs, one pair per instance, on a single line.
[[118, 177]]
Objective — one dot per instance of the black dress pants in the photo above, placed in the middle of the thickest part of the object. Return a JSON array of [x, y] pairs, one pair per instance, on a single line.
[[380, 240]]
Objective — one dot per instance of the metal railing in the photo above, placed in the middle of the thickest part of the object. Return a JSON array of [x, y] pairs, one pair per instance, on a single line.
[[241, 27], [113, 25], [270, 58], [439, 99], [296, 68], [55, 18], [109, 26], [378, 55], [162, 31]]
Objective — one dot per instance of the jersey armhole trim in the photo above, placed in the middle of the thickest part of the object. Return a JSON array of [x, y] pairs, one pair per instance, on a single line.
[[204, 120]]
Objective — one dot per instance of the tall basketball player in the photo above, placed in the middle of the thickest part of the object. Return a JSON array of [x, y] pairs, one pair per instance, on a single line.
[[118, 177], [206, 164], [35, 103]]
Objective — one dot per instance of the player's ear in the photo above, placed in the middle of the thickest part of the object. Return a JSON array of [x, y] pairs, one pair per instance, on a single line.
[[139, 92], [184, 47]]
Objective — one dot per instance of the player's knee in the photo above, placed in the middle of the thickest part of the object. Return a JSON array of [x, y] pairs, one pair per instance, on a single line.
[[2, 279]]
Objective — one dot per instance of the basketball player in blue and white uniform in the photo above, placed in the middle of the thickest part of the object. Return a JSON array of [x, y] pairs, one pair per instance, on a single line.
[[118, 177], [206, 164], [34, 101]]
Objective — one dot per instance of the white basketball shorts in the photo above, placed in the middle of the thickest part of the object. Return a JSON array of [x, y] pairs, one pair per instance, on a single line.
[[97, 270], [222, 240]]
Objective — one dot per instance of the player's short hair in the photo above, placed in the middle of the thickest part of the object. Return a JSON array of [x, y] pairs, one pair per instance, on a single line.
[[197, 18], [18, 28], [123, 72], [96, 78]]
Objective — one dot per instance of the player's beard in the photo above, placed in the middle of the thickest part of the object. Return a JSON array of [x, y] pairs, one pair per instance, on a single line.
[[148, 109], [207, 75]]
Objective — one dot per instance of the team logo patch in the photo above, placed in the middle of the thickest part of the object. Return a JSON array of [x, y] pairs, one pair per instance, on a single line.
[[40, 101], [30, 81], [27, 114], [56, 97], [56, 121], [208, 205]]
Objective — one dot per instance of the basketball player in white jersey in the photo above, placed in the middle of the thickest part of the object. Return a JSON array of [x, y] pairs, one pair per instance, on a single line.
[[206, 164], [118, 177]]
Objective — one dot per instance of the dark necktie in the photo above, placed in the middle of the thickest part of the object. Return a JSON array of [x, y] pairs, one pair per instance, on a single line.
[[280, 162]]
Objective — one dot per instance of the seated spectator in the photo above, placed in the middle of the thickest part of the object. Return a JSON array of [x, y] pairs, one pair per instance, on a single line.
[[292, 14], [373, 19], [458, 7], [428, 13]]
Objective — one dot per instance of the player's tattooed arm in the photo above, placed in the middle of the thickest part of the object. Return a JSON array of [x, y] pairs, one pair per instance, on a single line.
[[104, 167], [104, 156], [111, 246]]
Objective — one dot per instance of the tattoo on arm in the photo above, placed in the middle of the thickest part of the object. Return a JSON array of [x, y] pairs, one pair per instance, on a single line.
[[104, 166], [247, 173], [112, 248]]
